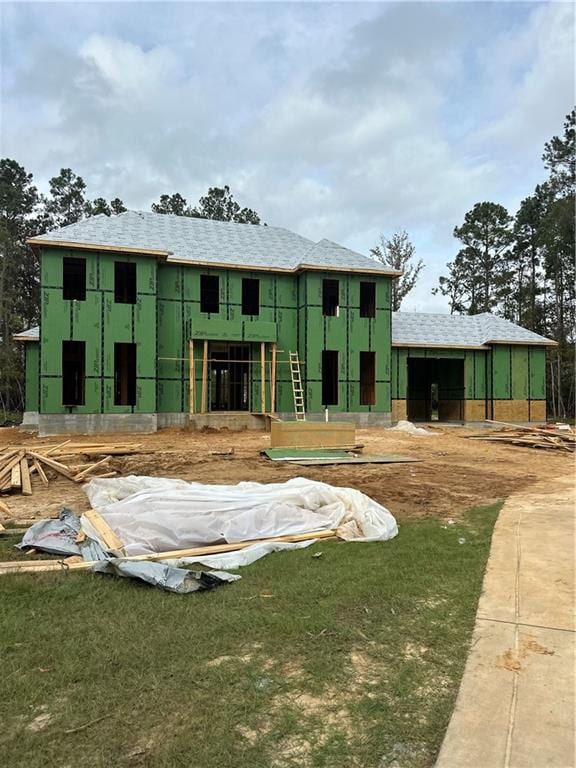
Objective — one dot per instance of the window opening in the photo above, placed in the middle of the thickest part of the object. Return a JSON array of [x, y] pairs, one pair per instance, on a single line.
[[329, 377], [209, 293], [124, 282], [367, 378], [250, 296], [124, 374], [73, 372], [330, 298], [74, 279], [367, 299]]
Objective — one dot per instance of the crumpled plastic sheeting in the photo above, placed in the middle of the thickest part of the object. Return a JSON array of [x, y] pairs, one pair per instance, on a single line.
[[242, 557], [165, 576], [167, 515], [57, 537]]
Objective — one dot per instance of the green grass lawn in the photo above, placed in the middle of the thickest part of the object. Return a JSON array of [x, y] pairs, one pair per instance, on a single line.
[[351, 658]]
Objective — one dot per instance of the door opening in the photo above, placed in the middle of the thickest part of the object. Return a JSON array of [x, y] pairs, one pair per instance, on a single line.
[[229, 377], [435, 389]]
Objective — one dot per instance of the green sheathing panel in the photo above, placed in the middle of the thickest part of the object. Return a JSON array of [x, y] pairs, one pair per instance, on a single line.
[[518, 372], [100, 322], [348, 334], [537, 373], [502, 372], [32, 370], [180, 318]]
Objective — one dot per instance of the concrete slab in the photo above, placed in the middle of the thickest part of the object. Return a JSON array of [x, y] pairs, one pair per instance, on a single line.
[[516, 704]]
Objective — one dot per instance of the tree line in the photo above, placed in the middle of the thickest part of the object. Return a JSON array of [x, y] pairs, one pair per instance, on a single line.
[[518, 267], [26, 213], [522, 267]]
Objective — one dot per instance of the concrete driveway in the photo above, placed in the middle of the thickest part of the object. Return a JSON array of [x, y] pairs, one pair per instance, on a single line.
[[516, 703]]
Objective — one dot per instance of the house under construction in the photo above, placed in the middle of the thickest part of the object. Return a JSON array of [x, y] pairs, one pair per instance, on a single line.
[[151, 320]]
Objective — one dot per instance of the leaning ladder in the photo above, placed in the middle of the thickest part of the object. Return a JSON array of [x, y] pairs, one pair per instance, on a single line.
[[297, 390]]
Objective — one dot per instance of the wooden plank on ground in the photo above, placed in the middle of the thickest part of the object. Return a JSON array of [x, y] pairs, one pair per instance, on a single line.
[[62, 469], [78, 478], [310, 434], [6, 471], [39, 469], [110, 539], [16, 477], [25, 477], [38, 566]]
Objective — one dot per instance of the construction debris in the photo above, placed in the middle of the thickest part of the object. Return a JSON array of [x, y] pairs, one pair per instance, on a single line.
[[530, 437], [19, 464], [171, 523]]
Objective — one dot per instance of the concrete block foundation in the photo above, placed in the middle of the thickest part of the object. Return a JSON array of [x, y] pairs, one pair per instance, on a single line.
[[90, 423]]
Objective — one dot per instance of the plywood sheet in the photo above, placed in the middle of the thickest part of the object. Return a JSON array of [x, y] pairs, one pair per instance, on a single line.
[[293, 434]]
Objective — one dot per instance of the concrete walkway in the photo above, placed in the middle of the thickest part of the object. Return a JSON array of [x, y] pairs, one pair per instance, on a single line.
[[516, 704]]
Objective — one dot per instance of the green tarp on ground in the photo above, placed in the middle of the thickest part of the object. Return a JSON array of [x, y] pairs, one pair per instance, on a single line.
[[306, 458]]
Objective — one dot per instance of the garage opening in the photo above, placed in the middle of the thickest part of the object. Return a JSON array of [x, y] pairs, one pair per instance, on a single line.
[[229, 377], [124, 374], [73, 372], [435, 389]]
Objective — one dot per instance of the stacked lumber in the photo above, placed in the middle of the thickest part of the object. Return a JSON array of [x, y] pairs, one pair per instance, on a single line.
[[18, 465], [530, 437]]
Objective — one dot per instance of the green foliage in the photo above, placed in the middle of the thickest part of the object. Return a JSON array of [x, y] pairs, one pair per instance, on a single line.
[[482, 264], [218, 204], [25, 213], [397, 252], [524, 269], [19, 271], [351, 658]]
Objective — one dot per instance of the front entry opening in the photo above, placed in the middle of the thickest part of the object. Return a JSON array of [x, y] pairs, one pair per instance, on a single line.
[[435, 389], [229, 377]]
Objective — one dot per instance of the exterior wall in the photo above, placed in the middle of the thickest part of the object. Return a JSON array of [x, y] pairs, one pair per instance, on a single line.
[[517, 382], [505, 383], [179, 318], [348, 334], [31, 376], [100, 322], [167, 314]]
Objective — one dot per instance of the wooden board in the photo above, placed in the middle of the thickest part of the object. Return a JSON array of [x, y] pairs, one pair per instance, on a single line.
[[38, 566], [310, 434], [25, 478], [110, 539]]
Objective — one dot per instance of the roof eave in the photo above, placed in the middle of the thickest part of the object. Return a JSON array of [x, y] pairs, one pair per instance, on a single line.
[[37, 243], [525, 343], [427, 345]]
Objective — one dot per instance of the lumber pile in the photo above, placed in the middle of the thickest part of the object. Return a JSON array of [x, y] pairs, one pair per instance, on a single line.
[[530, 437], [20, 464]]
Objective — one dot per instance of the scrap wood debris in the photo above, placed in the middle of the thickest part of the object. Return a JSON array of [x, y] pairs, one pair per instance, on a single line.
[[19, 464], [531, 437]]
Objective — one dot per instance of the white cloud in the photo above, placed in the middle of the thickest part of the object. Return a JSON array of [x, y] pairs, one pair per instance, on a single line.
[[337, 120]]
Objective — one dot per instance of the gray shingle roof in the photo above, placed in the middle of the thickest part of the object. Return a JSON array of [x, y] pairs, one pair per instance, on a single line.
[[416, 329], [211, 242]]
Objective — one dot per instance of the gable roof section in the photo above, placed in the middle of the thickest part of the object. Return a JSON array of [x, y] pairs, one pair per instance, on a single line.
[[461, 331], [186, 240]]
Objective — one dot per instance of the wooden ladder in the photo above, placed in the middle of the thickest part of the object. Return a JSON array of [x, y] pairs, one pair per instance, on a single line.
[[297, 390]]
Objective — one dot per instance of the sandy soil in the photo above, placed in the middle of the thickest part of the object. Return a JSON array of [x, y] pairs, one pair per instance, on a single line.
[[455, 473]]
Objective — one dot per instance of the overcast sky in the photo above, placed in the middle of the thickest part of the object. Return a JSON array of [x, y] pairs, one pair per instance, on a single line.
[[335, 120]]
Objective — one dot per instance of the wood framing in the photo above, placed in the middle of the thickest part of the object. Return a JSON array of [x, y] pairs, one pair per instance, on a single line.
[[192, 378], [263, 377], [204, 407]]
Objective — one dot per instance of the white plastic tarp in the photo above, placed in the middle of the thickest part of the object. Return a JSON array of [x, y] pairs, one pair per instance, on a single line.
[[165, 515]]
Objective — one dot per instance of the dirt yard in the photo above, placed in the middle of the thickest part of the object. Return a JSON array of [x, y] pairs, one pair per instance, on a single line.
[[454, 474]]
